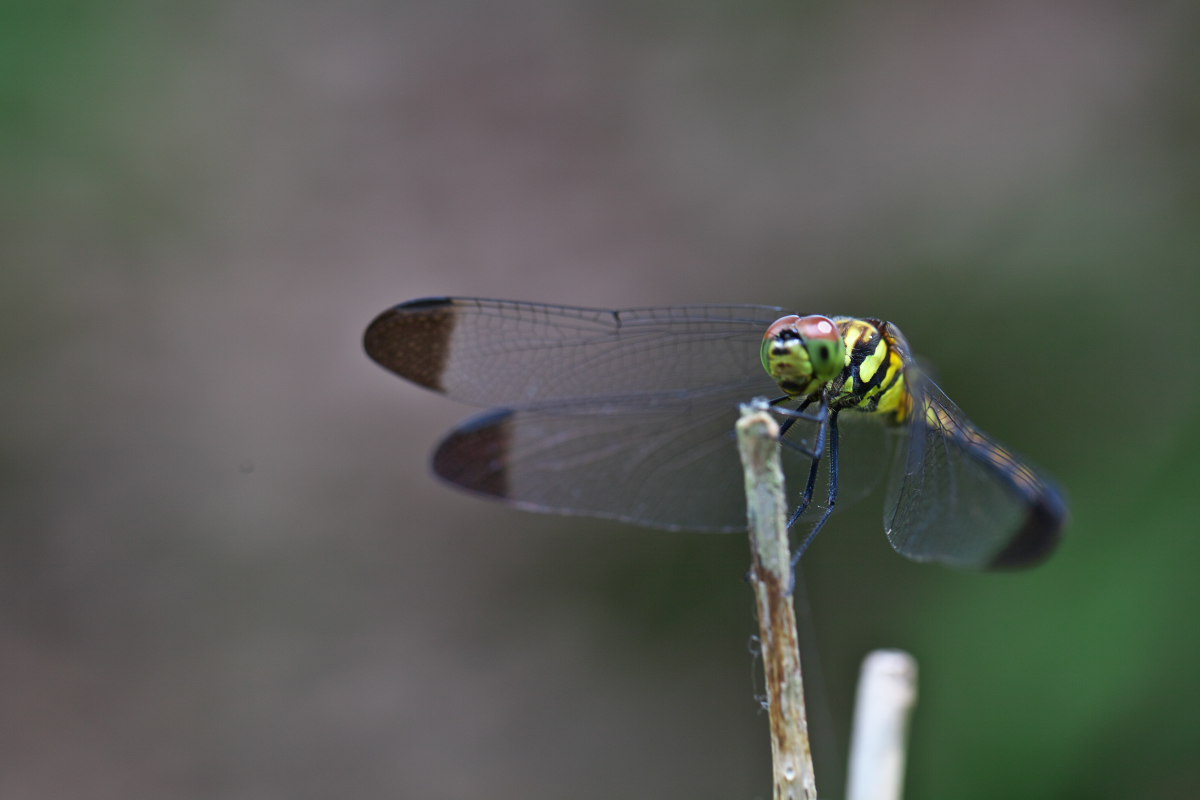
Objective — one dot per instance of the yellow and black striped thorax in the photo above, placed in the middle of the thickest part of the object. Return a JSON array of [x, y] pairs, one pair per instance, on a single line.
[[873, 379]]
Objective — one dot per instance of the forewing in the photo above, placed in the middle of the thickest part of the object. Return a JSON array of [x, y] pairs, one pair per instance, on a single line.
[[514, 354], [957, 496]]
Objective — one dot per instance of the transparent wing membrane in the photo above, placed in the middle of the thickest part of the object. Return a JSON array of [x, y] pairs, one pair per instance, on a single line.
[[620, 414], [499, 353], [957, 496]]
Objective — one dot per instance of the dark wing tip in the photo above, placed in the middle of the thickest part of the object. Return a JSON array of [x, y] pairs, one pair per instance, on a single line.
[[413, 339], [476, 455], [1038, 537], [427, 302]]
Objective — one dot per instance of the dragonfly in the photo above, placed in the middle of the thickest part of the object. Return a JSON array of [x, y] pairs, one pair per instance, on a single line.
[[629, 415]]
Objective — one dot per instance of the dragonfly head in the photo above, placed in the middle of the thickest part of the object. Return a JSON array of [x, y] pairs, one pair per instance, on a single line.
[[803, 354]]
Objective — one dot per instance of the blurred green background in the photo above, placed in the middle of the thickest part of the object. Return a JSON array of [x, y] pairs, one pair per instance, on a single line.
[[225, 570]]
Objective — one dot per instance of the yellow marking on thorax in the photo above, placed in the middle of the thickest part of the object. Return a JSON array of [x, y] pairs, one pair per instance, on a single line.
[[896, 401], [866, 370]]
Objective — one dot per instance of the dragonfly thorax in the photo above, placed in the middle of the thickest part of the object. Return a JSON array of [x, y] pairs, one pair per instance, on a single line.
[[875, 379], [803, 354]]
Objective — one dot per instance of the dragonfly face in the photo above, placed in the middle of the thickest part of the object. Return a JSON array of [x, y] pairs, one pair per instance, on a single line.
[[629, 415], [803, 354]]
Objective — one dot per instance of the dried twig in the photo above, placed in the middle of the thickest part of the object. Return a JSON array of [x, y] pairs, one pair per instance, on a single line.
[[758, 442]]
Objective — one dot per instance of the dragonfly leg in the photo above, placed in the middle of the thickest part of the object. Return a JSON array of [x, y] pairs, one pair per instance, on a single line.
[[814, 453], [797, 413], [831, 500], [794, 414], [806, 498]]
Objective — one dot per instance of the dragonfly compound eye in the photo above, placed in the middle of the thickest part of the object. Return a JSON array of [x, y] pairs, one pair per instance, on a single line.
[[802, 354]]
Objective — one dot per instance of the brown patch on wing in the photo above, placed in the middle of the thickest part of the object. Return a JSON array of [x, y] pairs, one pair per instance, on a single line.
[[413, 340], [476, 456]]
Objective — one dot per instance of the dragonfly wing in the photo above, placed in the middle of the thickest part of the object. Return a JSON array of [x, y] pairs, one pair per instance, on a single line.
[[671, 463], [513, 354], [957, 496]]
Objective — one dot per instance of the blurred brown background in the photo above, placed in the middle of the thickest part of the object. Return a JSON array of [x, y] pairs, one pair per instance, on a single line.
[[225, 570]]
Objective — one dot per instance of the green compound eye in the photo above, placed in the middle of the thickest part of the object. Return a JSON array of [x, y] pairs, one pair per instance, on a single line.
[[828, 355]]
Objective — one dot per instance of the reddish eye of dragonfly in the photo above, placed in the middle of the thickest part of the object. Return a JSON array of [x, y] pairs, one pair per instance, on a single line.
[[816, 327], [812, 327], [782, 327]]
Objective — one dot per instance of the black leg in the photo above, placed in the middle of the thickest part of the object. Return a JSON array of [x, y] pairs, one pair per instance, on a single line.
[[806, 498], [815, 453], [832, 498], [791, 416]]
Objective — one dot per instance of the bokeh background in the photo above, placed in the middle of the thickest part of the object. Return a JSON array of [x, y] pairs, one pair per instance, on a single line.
[[225, 570]]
